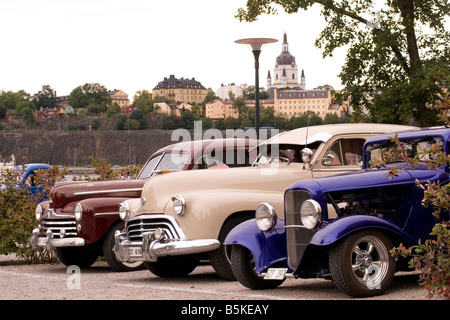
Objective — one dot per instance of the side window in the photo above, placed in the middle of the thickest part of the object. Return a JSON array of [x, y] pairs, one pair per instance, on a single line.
[[344, 152], [222, 158], [149, 167], [210, 158], [173, 161]]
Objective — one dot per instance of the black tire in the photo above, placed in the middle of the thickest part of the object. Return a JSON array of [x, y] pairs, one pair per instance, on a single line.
[[110, 256], [83, 257], [172, 267], [361, 265], [243, 266], [220, 258]]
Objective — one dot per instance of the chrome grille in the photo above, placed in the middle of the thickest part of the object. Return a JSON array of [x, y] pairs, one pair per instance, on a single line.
[[297, 238], [148, 223], [68, 225]]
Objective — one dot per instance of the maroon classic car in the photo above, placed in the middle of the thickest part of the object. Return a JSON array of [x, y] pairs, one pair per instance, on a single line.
[[80, 218]]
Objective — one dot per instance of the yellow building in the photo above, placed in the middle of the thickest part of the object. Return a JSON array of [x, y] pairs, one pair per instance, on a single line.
[[293, 103], [180, 90], [119, 97], [222, 109]]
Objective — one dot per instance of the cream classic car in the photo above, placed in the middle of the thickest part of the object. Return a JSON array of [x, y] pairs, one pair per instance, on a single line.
[[182, 217]]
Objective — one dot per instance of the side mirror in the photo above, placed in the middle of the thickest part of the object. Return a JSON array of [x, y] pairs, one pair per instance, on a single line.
[[306, 155]]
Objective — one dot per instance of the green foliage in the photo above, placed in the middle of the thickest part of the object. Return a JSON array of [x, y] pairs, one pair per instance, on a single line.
[[113, 110], [431, 258], [17, 205], [28, 116], [90, 93], [143, 101], [398, 57], [17, 208], [45, 98], [131, 124]]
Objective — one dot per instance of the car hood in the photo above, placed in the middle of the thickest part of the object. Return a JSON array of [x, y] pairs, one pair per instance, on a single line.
[[262, 182], [365, 179], [66, 192]]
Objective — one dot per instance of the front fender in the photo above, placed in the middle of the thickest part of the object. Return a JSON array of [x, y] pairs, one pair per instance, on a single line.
[[344, 226], [268, 248], [99, 214]]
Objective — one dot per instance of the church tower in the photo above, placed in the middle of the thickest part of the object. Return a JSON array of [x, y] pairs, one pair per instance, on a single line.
[[285, 72]]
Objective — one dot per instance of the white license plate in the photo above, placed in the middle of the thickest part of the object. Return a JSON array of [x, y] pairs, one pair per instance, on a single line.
[[275, 274], [42, 241], [135, 251]]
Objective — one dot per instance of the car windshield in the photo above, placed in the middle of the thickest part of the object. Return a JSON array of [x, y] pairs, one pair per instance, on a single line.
[[164, 161], [287, 153], [391, 152]]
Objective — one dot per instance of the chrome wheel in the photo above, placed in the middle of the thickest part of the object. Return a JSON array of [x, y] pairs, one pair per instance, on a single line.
[[370, 261], [361, 265]]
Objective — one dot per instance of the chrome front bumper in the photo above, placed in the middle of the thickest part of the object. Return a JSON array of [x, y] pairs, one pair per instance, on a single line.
[[48, 241], [150, 249]]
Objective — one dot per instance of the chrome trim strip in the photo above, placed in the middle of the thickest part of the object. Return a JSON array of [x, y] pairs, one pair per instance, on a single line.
[[172, 219], [99, 214], [337, 170], [106, 191]]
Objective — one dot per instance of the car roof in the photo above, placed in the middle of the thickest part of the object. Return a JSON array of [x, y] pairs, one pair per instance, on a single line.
[[210, 144], [413, 134], [311, 134]]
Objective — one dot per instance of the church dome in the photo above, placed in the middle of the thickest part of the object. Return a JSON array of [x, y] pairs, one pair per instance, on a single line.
[[285, 58]]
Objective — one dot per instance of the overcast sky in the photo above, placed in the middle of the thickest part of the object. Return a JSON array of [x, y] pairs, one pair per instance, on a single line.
[[133, 44]]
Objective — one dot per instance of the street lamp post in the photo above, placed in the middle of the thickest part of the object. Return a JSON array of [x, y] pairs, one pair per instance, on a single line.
[[256, 46]]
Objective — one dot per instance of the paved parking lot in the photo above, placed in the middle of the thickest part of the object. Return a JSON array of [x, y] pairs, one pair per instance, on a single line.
[[58, 282]]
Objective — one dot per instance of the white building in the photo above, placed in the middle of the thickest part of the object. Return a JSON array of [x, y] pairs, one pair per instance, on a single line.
[[230, 91]]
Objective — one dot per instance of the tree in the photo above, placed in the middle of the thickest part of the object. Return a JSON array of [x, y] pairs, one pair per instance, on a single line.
[[243, 110], [131, 124], [398, 57], [143, 100], [28, 116], [9, 99], [210, 95], [14, 100], [45, 98], [139, 116], [249, 92], [90, 93], [114, 109], [197, 110]]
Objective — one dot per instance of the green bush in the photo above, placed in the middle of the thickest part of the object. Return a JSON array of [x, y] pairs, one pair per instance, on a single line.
[[432, 258], [17, 206]]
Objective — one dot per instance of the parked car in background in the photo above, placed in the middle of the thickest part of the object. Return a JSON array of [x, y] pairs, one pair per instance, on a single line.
[[28, 172], [80, 218], [343, 227], [183, 216]]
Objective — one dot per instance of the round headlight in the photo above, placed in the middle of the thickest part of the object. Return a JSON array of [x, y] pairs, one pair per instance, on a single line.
[[310, 213], [124, 211], [179, 205], [266, 217], [38, 212], [78, 212]]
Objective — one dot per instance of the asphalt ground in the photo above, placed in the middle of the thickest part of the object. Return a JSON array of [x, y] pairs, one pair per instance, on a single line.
[[20, 280]]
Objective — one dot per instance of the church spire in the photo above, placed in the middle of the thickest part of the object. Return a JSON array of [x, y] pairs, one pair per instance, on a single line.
[[285, 43]]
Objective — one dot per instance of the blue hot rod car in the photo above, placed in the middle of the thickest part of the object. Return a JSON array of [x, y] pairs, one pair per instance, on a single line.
[[343, 227]]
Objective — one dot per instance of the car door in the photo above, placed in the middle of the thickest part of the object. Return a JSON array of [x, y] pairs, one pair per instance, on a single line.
[[341, 154]]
